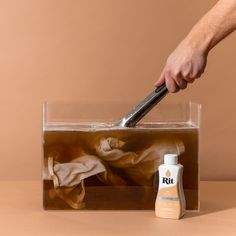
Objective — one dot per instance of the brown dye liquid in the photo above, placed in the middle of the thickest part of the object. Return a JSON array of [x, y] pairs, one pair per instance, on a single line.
[[66, 145]]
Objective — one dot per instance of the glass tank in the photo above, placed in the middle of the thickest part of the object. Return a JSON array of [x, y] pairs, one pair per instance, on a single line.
[[91, 164]]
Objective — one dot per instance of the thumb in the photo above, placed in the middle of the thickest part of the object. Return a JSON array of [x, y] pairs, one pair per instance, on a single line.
[[161, 80]]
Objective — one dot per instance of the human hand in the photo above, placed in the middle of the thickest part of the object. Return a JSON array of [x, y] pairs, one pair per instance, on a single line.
[[185, 64]]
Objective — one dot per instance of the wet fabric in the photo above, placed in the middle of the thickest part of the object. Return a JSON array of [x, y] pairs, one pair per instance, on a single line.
[[68, 178]]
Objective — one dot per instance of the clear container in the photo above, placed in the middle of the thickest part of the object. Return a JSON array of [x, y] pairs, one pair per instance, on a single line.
[[88, 163]]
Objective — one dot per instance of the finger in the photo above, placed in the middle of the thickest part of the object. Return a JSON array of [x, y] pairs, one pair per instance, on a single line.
[[181, 82], [196, 73], [189, 80], [171, 84], [161, 79], [199, 74]]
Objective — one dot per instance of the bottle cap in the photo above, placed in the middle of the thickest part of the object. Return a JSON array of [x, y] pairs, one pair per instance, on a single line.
[[171, 159]]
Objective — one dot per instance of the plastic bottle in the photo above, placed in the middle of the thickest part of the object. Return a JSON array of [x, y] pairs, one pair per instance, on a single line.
[[170, 201]]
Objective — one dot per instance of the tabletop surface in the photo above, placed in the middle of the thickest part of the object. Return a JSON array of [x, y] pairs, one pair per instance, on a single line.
[[22, 214]]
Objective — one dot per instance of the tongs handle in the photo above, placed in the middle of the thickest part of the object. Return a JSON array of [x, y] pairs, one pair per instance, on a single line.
[[138, 112]]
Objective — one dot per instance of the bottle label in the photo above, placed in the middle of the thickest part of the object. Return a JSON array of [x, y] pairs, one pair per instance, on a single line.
[[169, 198], [166, 180], [168, 203]]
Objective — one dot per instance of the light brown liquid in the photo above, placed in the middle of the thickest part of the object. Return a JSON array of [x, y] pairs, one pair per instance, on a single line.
[[66, 145]]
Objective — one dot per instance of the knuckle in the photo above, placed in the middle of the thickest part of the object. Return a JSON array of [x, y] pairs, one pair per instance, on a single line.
[[175, 73], [185, 73], [168, 71]]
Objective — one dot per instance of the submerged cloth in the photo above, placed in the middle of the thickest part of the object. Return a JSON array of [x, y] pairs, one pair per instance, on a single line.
[[139, 167], [68, 178]]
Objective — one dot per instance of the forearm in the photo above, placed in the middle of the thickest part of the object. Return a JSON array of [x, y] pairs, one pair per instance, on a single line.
[[219, 22], [188, 61]]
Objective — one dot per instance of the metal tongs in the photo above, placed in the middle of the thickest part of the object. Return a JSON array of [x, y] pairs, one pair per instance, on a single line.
[[138, 112]]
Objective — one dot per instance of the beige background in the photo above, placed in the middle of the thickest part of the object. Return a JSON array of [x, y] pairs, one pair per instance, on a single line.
[[104, 50]]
